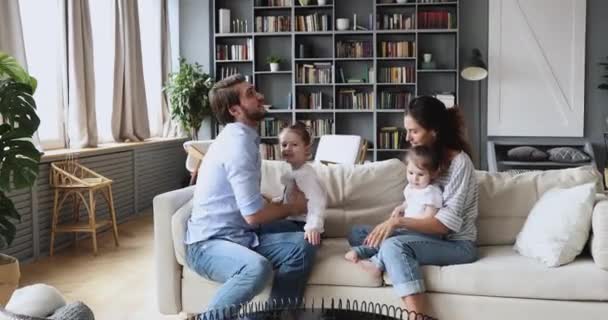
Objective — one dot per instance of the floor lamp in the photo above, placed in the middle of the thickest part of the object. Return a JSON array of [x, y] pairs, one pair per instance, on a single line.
[[476, 70]]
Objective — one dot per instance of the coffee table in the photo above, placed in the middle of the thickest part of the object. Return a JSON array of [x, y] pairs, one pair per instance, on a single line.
[[330, 310]]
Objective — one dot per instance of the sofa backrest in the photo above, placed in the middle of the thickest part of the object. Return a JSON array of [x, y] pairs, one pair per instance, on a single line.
[[357, 194], [505, 200]]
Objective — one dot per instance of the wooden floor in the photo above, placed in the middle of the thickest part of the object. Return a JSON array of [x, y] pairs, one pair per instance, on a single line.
[[117, 284]]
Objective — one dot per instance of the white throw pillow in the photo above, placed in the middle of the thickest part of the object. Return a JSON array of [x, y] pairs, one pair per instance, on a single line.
[[37, 300], [558, 225]]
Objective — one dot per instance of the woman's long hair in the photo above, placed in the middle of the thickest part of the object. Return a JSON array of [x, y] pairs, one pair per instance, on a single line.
[[431, 114]]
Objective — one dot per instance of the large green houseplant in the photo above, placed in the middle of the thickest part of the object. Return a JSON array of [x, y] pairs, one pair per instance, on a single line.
[[18, 157], [188, 90]]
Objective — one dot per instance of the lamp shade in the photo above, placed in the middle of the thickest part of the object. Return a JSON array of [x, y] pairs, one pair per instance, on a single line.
[[476, 69]]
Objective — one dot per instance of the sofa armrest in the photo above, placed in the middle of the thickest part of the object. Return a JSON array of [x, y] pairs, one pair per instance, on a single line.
[[168, 272], [599, 236]]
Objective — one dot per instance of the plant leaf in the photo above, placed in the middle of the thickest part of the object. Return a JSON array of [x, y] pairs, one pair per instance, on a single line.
[[17, 106], [8, 212], [10, 67]]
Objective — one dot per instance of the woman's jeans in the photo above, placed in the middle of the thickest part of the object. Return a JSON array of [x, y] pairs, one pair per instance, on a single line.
[[405, 251], [244, 272]]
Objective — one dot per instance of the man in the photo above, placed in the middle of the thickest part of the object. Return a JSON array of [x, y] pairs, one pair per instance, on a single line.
[[223, 241]]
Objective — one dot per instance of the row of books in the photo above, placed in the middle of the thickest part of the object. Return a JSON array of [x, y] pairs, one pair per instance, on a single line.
[[271, 127], [397, 49], [270, 151], [354, 99], [234, 51], [272, 23], [313, 22], [319, 127], [436, 20], [405, 74], [396, 21], [225, 72], [313, 100], [354, 49], [394, 100], [319, 72], [273, 3], [391, 138]]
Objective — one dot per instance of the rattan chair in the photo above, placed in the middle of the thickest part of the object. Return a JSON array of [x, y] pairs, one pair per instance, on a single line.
[[69, 178]]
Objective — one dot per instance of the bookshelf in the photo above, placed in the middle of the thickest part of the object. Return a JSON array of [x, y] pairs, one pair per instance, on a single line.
[[342, 81]]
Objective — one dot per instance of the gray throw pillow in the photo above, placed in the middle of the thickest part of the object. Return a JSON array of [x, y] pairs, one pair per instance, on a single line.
[[526, 153], [567, 155]]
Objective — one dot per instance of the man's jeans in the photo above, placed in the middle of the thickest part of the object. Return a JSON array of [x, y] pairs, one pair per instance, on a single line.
[[245, 271], [404, 252]]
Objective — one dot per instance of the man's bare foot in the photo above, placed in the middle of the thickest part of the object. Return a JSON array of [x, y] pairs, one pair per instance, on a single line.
[[351, 256], [370, 267]]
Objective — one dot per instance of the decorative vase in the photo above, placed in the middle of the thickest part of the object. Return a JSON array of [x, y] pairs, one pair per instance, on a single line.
[[321, 2], [342, 24], [401, 1], [274, 67], [9, 277], [304, 2]]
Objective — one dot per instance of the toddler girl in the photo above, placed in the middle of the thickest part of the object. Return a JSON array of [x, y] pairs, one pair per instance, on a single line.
[[295, 143], [422, 199]]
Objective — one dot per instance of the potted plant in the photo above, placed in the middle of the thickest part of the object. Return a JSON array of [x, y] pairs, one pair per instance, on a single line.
[[188, 91], [18, 157], [274, 62]]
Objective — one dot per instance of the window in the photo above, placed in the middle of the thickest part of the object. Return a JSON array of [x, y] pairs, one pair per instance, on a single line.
[[103, 26], [43, 48]]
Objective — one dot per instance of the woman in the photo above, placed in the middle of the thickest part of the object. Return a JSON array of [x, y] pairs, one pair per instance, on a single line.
[[443, 239]]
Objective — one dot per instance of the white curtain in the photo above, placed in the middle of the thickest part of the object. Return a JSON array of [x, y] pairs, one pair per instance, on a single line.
[[170, 127], [129, 113], [81, 76], [11, 40]]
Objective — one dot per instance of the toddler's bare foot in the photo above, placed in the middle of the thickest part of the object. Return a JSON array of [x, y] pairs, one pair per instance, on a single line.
[[351, 256], [370, 267]]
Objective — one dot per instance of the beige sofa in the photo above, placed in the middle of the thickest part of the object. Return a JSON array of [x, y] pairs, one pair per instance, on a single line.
[[500, 285]]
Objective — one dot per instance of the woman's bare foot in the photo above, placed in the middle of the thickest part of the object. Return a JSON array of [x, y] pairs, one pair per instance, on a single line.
[[351, 256], [370, 267]]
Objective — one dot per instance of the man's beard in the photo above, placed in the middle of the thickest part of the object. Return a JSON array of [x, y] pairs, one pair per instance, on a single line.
[[254, 115]]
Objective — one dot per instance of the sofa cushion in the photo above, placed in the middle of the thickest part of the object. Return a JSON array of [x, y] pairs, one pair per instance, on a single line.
[[501, 272], [558, 226], [526, 153], [599, 236], [506, 200], [330, 268], [179, 224]]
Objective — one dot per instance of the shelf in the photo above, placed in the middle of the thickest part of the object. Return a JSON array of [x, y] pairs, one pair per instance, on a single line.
[[278, 8], [314, 84], [274, 72], [451, 3], [409, 4], [233, 61], [396, 84], [357, 84], [399, 31], [363, 32], [313, 59], [233, 35], [269, 137], [273, 34], [314, 33], [327, 6], [390, 110], [539, 164], [355, 59], [354, 110], [279, 111], [391, 150], [437, 31], [437, 70], [314, 110], [395, 58]]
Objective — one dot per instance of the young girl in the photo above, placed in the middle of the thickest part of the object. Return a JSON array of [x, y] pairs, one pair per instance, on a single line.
[[295, 142], [422, 199]]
